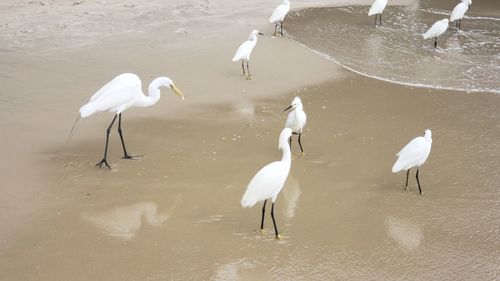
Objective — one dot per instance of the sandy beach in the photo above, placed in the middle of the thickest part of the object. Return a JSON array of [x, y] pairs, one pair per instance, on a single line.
[[175, 213]]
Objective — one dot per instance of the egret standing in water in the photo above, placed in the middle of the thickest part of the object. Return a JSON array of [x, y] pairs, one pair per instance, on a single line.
[[459, 11], [414, 154], [296, 119], [245, 50], [279, 15], [436, 30], [121, 93], [269, 181], [376, 9]]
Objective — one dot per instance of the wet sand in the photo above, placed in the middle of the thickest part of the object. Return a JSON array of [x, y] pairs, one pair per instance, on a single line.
[[175, 215]]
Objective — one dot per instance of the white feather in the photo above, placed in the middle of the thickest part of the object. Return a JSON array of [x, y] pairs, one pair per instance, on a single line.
[[377, 7], [436, 29], [414, 154]]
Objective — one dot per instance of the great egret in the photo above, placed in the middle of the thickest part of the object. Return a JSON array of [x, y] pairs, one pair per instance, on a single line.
[[436, 30], [459, 11], [296, 119], [376, 9], [279, 15], [269, 181], [245, 50], [414, 154], [121, 93]]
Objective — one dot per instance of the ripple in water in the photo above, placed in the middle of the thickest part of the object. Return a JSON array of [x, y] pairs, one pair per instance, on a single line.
[[467, 59]]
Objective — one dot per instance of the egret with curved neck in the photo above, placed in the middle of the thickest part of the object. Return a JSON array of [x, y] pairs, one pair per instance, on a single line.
[[269, 180], [118, 95]]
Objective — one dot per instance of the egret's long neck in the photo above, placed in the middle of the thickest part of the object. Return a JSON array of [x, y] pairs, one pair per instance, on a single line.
[[287, 154], [153, 95]]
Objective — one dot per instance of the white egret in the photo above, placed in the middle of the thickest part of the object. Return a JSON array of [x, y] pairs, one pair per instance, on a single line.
[[279, 14], [245, 50], [414, 154], [376, 9], [121, 93], [296, 119], [436, 30], [459, 11], [269, 181]]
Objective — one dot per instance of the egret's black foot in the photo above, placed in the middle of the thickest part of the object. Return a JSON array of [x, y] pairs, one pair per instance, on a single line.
[[103, 161], [132, 157]]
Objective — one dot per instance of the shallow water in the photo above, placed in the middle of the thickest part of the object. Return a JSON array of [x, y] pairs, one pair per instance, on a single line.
[[467, 59]]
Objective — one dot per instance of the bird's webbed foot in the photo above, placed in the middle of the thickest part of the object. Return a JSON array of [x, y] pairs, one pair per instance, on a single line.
[[278, 237], [249, 77], [103, 161]]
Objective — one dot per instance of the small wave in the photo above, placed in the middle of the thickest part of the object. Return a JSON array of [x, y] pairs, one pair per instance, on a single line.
[[466, 60]]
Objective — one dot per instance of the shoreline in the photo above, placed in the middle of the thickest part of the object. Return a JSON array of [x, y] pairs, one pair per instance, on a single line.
[[175, 213]]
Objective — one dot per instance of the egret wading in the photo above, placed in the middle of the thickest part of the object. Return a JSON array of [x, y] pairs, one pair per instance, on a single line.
[[459, 11], [414, 154], [278, 16], [376, 9], [245, 50], [121, 93], [436, 30], [269, 180], [296, 120]]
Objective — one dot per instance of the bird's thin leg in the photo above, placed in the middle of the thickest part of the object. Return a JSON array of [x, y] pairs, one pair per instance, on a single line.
[[248, 71], [300, 144], [380, 19], [459, 24], [275, 28], [103, 161], [407, 173], [418, 182], [375, 23], [435, 43], [274, 222], [263, 212], [125, 154], [290, 141], [281, 28], [243, 66]]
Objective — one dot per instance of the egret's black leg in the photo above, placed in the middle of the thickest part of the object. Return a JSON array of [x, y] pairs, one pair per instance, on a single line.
[[274, 222], [375, 23], [263, 212], [125, 154], [418, 182], [248, 71], [407, 173], [435, 43], [459, 24], [380, 19], [300, 144], [275, 28], [243, 66], [281, 28], [103, 161], [290, 141]]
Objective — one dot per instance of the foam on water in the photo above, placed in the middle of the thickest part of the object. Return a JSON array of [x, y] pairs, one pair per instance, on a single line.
[[466, 60]]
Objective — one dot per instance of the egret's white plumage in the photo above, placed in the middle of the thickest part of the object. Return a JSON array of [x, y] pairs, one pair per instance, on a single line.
[[377, 8], [296, 119], [414, 154], [459, 11], [245, 50], [436, 30], [121, 93], [269, 180], [279, 14]]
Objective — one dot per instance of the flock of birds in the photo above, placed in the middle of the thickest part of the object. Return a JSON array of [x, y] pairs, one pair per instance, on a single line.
[[125, 91], [438, 28]]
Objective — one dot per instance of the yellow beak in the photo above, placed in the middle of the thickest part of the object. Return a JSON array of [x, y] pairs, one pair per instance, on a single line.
[[177, 91]]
